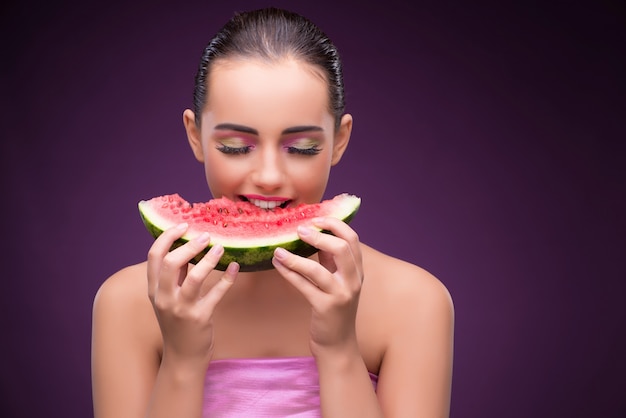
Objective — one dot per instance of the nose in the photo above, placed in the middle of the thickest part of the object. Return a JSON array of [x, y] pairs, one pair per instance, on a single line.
[[269, 172]]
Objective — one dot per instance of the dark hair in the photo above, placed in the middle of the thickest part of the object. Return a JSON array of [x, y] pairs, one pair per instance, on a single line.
[[272, 34]]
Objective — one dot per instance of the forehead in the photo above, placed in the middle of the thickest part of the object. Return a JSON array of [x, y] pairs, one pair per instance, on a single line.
[[257, 93]]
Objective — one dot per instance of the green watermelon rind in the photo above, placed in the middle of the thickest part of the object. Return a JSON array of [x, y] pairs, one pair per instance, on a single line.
[[250, 259]]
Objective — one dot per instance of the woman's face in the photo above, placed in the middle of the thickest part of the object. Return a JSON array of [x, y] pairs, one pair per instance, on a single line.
[[266, 134]]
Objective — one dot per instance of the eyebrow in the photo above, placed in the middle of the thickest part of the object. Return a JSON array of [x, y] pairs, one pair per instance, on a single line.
[[248, 130]]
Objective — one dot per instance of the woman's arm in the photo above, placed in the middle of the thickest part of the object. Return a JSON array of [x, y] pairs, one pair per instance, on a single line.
[[416, 372], [167, 305], [333, 287], [128, 377], [411, 317], [125, 358]]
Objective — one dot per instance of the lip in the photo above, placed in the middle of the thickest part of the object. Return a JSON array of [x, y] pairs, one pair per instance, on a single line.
[[267, 202], [266, 198]]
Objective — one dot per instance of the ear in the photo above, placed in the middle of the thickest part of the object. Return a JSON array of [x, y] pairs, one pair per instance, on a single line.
[[342, 137], [193, 134]]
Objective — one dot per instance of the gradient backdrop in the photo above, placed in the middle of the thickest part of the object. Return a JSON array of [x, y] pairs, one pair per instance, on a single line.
[[489, 148]]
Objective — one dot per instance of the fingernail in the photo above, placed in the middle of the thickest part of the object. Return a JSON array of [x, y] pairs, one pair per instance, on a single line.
[[280, 253], [232, 268], [203, 238], [318, 221], [276, 263], [217, 249], [304, 231], [182, 226]]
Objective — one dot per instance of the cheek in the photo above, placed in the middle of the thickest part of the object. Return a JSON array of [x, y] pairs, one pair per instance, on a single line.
[[218, 174], [310, 178]]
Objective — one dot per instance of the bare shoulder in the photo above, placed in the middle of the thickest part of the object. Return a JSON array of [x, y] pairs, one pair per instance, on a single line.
[[125, 288], [122, 302], [406, 328], [126, 344], [395, 281]]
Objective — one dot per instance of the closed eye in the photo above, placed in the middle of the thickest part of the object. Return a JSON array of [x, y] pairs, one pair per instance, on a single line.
[[304, 151], [234, 150]]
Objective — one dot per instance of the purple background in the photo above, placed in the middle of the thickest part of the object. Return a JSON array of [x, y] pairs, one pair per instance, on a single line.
[[489, 148]]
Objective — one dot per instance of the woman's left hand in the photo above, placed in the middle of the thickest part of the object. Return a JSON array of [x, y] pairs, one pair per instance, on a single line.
[[332, 286]]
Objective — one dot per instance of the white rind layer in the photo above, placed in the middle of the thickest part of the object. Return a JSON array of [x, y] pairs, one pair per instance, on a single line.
[[340, 207]]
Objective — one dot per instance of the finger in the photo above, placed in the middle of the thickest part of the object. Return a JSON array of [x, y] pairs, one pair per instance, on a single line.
[[307, 275], [191, 287], [327, 260], [159, 249], [340, 249], [342, 230], [217, 292], [175, 262]]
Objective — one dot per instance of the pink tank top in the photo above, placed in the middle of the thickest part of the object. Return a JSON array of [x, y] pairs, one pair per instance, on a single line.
[[263, 387]]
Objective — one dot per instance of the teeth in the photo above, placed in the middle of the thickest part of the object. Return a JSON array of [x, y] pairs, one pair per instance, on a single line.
[[266, 204]]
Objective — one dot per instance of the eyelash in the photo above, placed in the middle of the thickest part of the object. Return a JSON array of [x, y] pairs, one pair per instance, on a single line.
[[304, 151], [246, 149], [234, 150]]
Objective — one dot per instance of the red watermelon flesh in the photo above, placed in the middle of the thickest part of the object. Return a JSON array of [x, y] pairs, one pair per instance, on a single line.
[[248, 233]]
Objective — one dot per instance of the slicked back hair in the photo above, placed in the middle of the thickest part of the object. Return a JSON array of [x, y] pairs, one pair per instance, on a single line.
[[272, 34]]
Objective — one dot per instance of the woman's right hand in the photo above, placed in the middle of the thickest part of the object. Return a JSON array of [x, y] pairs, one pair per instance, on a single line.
[[182, 296]]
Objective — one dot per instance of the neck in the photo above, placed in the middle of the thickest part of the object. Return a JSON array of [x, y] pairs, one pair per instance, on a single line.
[[266, 279], [267, 284]]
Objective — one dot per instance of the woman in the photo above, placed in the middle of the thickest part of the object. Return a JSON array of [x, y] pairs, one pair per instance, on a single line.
[[349, 332]]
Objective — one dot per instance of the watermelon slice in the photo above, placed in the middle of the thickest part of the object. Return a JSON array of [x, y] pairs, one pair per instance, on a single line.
[[248, 233]]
